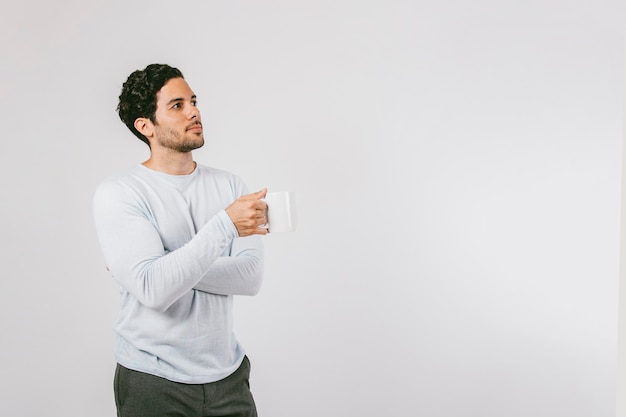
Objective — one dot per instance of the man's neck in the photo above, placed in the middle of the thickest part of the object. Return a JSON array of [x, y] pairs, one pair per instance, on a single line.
[[179, 164]]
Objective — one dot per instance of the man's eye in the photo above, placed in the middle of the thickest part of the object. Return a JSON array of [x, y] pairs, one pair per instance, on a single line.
[[176, 106], [194, 103]]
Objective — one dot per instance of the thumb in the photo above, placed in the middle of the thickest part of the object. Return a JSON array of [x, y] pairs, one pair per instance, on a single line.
[[255, 196]]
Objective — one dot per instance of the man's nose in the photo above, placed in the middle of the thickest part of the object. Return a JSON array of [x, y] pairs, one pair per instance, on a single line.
[[194, 113]]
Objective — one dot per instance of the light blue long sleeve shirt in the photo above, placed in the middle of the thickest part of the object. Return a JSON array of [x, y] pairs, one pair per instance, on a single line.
[[178, 259]]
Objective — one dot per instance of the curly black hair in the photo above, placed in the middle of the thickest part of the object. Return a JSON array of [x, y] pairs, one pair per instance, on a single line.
[[138, 96]]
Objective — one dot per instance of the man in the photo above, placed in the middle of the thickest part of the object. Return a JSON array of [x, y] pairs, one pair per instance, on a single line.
[[181, 239]]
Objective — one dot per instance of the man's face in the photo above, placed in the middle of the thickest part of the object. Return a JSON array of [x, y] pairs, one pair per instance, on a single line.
[[178, 125]]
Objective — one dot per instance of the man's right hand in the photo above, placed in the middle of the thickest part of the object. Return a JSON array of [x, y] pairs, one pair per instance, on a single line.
[[248, 213]]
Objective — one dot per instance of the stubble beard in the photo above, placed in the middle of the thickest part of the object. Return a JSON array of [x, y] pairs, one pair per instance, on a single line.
[[171, 139]]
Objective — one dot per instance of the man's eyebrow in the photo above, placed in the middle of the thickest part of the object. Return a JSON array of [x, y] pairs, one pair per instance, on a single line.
[[178, 99]]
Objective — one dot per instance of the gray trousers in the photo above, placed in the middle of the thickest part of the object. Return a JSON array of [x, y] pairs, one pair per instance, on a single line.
[[138, 394]]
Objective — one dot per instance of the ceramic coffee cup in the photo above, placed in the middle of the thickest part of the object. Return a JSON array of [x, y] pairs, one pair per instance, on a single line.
[[281, 211]]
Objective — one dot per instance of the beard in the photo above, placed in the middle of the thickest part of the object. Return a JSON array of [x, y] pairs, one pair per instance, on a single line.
[[172, 139]]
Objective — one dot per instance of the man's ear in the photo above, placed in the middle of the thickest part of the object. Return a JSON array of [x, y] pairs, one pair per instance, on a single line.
[[145, 127]]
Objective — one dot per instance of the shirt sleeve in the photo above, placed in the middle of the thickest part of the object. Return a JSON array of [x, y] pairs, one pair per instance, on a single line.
[[240, 273], [134, 253]]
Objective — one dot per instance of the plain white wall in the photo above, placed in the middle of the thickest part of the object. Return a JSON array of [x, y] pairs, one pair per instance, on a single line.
[[457, 166]]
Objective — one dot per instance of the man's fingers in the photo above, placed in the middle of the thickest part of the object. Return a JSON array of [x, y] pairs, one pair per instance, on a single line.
[[261, 219], [249, 212], [255, 196]]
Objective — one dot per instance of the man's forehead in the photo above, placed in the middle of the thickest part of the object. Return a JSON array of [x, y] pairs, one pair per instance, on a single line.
[[175, 88]]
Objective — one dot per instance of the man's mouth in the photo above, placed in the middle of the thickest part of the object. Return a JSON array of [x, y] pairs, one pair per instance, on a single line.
[[196, 127]]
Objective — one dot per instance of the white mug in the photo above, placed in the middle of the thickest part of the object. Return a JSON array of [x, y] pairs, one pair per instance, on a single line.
[[281, 211]]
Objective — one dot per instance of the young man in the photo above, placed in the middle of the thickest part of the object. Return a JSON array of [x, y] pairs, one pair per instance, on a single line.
[[181, 239]]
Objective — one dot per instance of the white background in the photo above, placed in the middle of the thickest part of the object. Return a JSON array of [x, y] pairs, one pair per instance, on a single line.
[[457, 169]]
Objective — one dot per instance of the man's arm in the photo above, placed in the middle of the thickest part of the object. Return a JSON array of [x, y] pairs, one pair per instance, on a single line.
[[134, 252], [238, 274]]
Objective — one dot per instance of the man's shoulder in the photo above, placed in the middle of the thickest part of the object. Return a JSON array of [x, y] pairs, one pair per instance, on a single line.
[[222, 179], [120, 177], [117, 183], [204, 170]]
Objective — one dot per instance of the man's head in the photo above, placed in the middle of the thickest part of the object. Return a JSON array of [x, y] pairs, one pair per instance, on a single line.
[[138, 98]]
